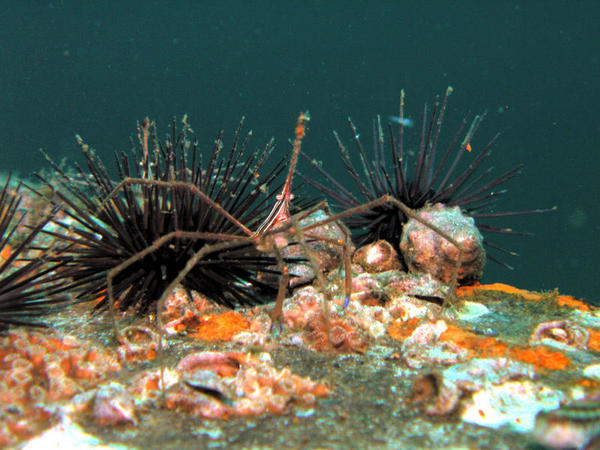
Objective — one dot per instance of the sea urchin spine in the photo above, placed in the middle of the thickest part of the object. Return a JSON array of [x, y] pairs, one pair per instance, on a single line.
[[117, 224], [30, 289], [435, 179]]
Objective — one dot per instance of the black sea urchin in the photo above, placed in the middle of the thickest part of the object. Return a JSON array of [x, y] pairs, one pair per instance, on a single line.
[[435, 178], [28, 288], [112, 221]]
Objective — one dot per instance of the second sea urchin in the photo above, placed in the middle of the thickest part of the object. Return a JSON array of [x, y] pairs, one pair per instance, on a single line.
[[111, 221], [435, 179]]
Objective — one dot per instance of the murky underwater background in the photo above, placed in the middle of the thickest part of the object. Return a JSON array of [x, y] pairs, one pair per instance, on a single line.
[[97, 68]]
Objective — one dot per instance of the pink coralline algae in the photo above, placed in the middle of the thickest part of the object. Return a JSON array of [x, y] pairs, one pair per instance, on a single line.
[[349, 330], [367, 289], [225, 384], [426, 251], [41, 367], [207, 384]]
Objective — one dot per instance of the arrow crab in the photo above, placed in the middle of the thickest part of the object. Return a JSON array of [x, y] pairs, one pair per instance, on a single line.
[[210, 227]]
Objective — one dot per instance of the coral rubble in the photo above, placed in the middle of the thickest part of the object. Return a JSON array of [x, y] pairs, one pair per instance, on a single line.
[[425, 250], [39, 369], [221, 384]]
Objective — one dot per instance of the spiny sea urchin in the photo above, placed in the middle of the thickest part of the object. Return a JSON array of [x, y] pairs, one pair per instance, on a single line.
[[28, 288], [112, 221], [435, 178]]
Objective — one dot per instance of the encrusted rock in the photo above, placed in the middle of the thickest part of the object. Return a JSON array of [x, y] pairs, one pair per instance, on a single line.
[[451, 384], [114, 406], [225, 384], [425, 250], [513, 404], [424, 347], [377, 257], [38, 368], [138, 343], [367, 290], [345, 330], [415, 295]]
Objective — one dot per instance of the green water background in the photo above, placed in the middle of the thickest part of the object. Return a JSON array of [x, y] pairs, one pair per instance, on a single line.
[[96, 67]]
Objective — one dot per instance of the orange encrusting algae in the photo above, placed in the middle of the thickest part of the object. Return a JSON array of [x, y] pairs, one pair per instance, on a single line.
[[220, 327], [561, 300], [469, 290], [486, 347], [478, 346], [589, 384], [401, 330], [541, 357], [572, 302], [594, 342]]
